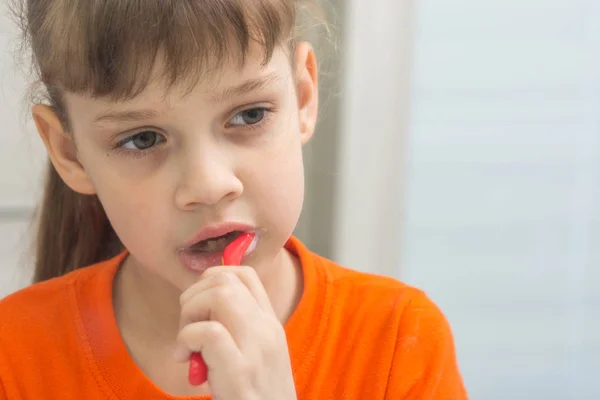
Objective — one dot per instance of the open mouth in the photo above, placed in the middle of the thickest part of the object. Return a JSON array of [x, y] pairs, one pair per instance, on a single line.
[[216, 244]]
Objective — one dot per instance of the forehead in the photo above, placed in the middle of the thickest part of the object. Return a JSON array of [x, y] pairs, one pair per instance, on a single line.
[[219, 85]]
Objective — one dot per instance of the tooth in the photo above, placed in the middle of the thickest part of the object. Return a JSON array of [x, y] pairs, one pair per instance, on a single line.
[[211, 245]]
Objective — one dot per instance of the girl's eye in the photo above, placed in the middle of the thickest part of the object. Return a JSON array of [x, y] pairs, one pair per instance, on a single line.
[[248, 117], [141, 141]]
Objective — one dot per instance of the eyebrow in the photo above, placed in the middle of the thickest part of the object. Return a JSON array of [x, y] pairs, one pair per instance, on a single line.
[[249, 86], [127, 115]]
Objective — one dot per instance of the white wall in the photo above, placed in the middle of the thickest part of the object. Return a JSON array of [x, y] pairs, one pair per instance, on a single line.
[[503, 190], [374, 119], [21, 158]]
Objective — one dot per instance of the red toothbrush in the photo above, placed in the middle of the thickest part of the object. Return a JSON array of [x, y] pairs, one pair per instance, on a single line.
[[233, 254]]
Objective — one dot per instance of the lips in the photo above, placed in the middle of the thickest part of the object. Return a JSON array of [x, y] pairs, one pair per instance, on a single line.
[[215, 231], [205, 249]]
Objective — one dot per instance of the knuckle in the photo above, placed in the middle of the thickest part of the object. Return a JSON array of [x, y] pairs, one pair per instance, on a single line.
[[190, 311], [197, 334], [225, 278], [213, 331], [225, 292], [248, 271], [187, 333], [185, 313]]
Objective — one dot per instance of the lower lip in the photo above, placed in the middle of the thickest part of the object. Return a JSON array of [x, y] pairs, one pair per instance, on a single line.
[[198, 262]]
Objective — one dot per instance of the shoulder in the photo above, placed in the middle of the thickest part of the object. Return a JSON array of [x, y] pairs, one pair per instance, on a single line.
[[387, 305], [379, 291], [321, 270], [33, 321], [45, 322], [395, 329], [357, 292], [401, 306], [403, 328], [36, 297], [362, 294], [43, 307], [35, 304]]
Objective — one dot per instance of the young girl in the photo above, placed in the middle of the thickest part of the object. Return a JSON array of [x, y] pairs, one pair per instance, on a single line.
[[172, 127]]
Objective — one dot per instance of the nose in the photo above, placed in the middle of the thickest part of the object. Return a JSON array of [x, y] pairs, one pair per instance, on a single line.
[[206, 179]]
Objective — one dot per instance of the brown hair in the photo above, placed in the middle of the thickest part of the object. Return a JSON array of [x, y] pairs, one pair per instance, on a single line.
[[108, 49]]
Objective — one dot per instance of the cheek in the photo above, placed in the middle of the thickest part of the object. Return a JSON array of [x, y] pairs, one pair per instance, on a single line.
[[279, 184], [130, 212], [131, 205]]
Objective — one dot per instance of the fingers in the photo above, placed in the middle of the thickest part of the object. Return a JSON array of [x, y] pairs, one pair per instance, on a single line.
[[249, 277], [217, 276], [228, 318], [227, 301], [211, 339]]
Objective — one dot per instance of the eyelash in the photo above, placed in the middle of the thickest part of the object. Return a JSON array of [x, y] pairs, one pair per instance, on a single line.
[[268, 113], [120, 149]]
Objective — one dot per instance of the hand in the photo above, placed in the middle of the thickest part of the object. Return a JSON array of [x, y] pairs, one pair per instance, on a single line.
[[228, 317]]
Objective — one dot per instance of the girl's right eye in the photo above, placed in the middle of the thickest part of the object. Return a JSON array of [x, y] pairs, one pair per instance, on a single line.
[[141, 141]]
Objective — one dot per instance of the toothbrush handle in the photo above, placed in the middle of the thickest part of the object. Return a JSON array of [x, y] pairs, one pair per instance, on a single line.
[[198, 372], [233, 254]]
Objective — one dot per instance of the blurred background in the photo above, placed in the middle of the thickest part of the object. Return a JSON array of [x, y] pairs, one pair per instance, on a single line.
[[459, 151]]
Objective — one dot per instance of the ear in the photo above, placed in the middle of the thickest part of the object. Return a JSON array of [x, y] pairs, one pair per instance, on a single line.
[[61, 150], [307, 88]]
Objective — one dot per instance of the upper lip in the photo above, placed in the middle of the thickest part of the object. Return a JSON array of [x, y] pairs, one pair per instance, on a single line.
[[216, 230]]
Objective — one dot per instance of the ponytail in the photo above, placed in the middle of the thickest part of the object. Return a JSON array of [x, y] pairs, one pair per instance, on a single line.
[[73, 231]]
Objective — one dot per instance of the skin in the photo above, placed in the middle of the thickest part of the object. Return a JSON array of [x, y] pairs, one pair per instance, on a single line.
[[209, 162]]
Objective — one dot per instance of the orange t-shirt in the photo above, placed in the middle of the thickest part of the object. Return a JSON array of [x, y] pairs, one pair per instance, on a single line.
[[353, 336]]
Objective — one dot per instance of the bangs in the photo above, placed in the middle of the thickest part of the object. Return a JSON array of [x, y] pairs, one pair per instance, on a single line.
[[110, 48]]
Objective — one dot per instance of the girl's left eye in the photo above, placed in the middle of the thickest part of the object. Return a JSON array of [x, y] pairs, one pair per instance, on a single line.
[[252, 116]]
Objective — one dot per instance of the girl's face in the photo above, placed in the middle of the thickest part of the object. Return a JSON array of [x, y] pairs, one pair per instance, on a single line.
[[228, 152]]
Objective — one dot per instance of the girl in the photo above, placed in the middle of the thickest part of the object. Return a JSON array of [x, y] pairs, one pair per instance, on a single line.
[[172, 127]]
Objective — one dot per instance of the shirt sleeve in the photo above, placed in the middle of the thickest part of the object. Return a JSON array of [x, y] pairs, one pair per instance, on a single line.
[[425, 364]]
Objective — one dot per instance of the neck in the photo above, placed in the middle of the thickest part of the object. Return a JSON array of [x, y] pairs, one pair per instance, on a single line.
[[147, 307]]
